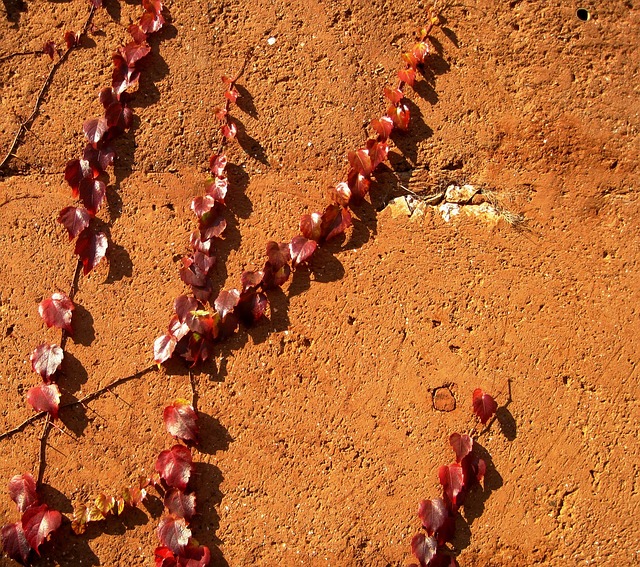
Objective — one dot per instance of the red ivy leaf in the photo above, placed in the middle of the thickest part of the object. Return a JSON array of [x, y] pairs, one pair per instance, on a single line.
[[22, 489], [217, 188], [74, 219], [335, 220], [72, 39], [383, 127], [361, 162], [75, 171], [99, 158], [226, 302], [133, 52], [217, 164], [163, 348], [150, 23], [232, 95], [49, 48], [174, 533], [252, 307], [46, 359], [301, 249], [184, 306], [433, 514], [462, 445], [420, 51], [424, 548], [152, 6], [378, 152], [56, 311], [14, 542], [278, 255], [96, 3], [91, 247], [394, 95], [358, 184], [229, 130], [212, 226], [94, 129], [38, 523], [484, 406], [407, 76], [164, 557], [452, 481], [92, 193], [180, 421], [400, 116], [311, 226], [410, 59], [137, 34], [341, 193], [203, 204], [180, 504], [193, 556], [175, 466], [45, 397], [251, 279]]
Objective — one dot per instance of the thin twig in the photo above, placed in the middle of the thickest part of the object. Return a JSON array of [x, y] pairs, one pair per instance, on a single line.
[[194, 391], [81, 401], [24, 126], [10, 199], [43, 449], [19, 54]]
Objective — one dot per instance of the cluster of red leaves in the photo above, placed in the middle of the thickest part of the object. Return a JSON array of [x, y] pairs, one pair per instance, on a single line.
[[457, 479], [104, 505], [47, 358], [37, 523], [175, 467], [88, 176]]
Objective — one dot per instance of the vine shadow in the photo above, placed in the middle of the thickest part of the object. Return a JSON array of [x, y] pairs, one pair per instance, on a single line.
[[13, 10]]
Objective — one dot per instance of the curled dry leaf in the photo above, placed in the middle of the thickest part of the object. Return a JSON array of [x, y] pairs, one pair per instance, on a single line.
[[174, 533], [57, 311], [45, 397], [22, 490], [180, 420], [175, 466], [46, 359], [484, 406]]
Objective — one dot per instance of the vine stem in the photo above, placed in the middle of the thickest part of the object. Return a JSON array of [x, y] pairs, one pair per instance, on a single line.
[[25, 125], [82, 401]]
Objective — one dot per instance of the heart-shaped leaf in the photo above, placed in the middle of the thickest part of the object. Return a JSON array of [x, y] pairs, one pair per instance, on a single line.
[[484, 406], [22, 490], [56, 311], [180, 420], [174, 533], [45, 397], [74, 219], [38, 522], [180, 504], [175, 466], [46, 359]]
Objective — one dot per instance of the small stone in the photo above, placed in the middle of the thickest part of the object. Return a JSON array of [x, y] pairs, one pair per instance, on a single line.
[[271, 41], [459, 195]]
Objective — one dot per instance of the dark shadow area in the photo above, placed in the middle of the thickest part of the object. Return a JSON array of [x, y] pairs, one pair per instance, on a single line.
[[75, 419], [66, 549], [250, 145], [207, 480], [130, 519], [245, 102], [120, 264], [84, 334], [112, 7], [73, 374], [214, 436], [13, 9], [475, 500], [55, 499], [154, 505], [507, 423], [419, 131]]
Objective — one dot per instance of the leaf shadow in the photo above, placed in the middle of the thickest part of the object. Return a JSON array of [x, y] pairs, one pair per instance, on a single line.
[[84, 333], [65, 549], [120, 264], [207, 481], [13, 9], [474, 502], [507, 423]]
